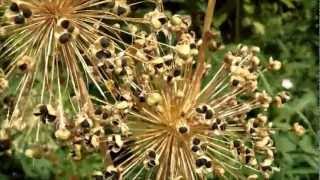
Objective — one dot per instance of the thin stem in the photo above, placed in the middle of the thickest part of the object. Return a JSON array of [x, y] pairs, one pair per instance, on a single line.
[[202, 52]]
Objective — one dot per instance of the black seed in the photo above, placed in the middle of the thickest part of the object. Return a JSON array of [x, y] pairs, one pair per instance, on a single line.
[[252, 130], [248, 158], [105, 115], [43, 110], [8, 100], [208, 164], [50, 118], [218, 121], [23, 67], [162, 20], [71, 29], [64, 38], [19, 19], [14, 7], [200, 162], [214, 126], [266, 168], [27, 13], [104, 42], [195, 148], [199, 110], [168, 62], [108, 174], [209, 114], [5, 145], [196, 141], [193, 46], [98, 111], [142, 98], [235, 82], [121, 10], [236, 143], [223, 127], [255, 124], [103, 54], [85, 124], [248, 151], [158, 66], [204, 108], [65, 24], [152, 154], [177, 72], [183, 129], [111, 66], [123, 72], [115, 122], [169, 78]]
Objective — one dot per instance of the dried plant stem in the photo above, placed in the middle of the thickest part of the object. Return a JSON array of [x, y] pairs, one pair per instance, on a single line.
[[202, 52]]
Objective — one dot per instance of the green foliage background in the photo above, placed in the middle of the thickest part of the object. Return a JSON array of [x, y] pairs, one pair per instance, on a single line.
[[284, 29]]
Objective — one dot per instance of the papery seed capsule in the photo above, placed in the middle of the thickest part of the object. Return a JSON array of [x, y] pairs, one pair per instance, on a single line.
[[183, 50], [62, 134], [176, 20], [154, 99], [156, 23]]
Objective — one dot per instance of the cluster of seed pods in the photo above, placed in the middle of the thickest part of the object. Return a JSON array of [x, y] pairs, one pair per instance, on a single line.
[[146, 115]]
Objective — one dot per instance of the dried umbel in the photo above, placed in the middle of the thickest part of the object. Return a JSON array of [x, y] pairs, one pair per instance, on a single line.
[[52, 52], [167, 127], [153, 119]]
